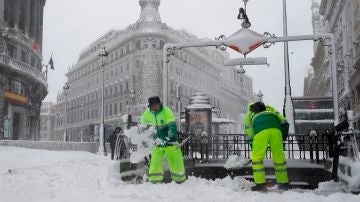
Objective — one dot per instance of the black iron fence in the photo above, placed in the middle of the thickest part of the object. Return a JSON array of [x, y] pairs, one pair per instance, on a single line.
[[222, 146]]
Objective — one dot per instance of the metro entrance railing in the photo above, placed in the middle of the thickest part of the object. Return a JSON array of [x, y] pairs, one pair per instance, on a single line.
[[221, 146]]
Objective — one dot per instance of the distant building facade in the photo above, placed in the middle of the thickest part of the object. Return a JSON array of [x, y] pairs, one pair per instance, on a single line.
[[133, 73], [22, 83], [47, 121], [354, 59], [342, 19]]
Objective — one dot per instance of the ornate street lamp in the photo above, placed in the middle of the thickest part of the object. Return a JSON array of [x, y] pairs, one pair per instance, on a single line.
[[65, 88], [82, 119], [260, 96], [103, 54]]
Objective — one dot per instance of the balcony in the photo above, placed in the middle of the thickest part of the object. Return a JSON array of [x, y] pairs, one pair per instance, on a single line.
[[22, 68], [17, 35]]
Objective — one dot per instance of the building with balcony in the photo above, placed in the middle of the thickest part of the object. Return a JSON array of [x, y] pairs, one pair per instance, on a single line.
[[23, 86], [133, 73]]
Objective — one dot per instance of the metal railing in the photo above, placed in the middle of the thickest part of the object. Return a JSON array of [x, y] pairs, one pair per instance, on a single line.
[[222, 146], [24, 68]]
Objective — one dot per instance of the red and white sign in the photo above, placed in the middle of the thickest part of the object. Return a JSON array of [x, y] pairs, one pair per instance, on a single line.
[[244, 41]]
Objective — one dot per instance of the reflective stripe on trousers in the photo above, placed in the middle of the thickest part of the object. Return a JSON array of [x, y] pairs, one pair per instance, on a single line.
[[175, 162], [273, 138]]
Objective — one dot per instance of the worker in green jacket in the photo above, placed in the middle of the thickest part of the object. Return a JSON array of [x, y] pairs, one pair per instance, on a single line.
[[264, 127], [165, 135]]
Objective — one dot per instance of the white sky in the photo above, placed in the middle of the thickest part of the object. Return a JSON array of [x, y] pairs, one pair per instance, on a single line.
[[70, 26]]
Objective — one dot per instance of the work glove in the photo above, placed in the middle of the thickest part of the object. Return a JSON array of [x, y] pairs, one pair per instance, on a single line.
[[161, 142], [142, 128]]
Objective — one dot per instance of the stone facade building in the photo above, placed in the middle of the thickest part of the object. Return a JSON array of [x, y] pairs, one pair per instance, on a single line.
[[342, 19], [354, 59], [22, 83], [133, 73]]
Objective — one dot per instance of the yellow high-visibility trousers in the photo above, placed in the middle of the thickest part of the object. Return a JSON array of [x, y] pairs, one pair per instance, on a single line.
[[273, 138], [175, 162]]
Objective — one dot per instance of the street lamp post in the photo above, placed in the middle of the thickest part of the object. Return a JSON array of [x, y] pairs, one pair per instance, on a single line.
[[103, 54], [178, 99], [65, 88], [288, 105], [132, 94], [260, 96], [57, 114], [82, 119]]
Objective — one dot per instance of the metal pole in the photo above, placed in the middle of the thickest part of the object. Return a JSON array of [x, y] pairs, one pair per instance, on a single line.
[[165, 74], [101, 149], [331, 39], [82, 120], [178, 100], [169, 50], [288, 105], [65, 119], [334, 78]]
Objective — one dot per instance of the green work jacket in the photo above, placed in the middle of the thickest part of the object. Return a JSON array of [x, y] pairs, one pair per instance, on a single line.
[[164, 123], [270, 118]]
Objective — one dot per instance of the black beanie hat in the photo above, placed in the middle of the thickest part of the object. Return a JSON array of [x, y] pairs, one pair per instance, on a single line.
[[154, 100], [257, 107]]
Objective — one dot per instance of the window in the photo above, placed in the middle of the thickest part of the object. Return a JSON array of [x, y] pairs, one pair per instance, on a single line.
[[11, 50], [353, 97], [162, 43], [17, 87], [24, 56], [33, 61], [137, 45], [358, 93]]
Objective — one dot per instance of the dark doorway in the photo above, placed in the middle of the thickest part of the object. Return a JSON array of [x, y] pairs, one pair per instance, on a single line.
[[16, 126]]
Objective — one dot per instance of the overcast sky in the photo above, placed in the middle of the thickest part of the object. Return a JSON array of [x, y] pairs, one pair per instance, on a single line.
[[71, 25]]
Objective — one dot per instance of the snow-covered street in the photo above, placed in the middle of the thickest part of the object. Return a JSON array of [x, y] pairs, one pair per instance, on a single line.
[[39, 175]]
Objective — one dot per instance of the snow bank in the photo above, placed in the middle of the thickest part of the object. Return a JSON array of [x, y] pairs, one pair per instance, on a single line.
[[47, 176], [235, 161]]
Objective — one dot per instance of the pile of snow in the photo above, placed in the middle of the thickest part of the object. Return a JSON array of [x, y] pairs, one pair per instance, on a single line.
[[331, 187], [351, 173], [144, 141], [236, 161], [46, 176]]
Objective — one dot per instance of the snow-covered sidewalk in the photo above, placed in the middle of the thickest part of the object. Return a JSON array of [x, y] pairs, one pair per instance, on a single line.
[[42, 176]]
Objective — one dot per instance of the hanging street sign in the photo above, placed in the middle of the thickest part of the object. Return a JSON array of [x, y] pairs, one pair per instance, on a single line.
[[244, 41], [246, 61]]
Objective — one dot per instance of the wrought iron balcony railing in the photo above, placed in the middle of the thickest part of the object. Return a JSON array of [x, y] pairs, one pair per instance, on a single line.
[[23, 68]]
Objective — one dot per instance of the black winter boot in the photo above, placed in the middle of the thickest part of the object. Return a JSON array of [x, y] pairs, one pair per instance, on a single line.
[[259, 187]]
